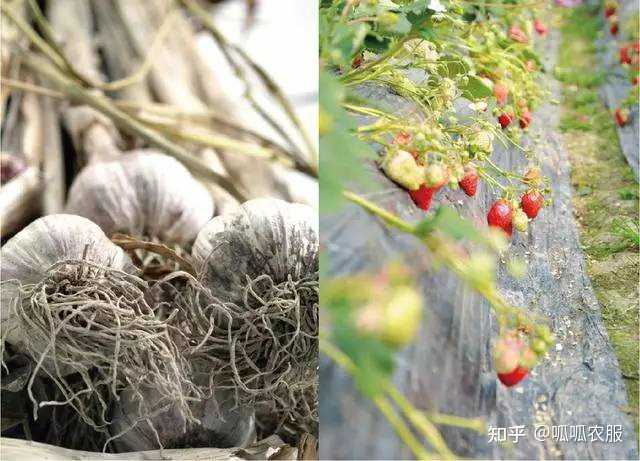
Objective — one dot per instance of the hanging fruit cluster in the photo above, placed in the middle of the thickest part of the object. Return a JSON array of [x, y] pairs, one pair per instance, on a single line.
[[496, 70]]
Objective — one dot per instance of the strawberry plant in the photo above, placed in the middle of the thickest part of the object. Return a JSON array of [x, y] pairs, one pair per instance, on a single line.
[[446, 59], [628, 50]]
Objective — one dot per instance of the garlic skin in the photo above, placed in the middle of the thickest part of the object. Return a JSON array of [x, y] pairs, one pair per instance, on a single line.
[[29, 254], [144, 194], [265, 236]]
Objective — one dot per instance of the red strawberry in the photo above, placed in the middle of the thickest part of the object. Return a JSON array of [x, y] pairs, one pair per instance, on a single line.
[[511, 359], [500, 215], [540, 27], [469, 182], [517, 35], [613, 28], [402, 138], [525, 118], [609, 11], [622, 116], [505, 119], [625, 58], [531, 202], [513, 377], [501, 92], [357, 61], [422, 197]]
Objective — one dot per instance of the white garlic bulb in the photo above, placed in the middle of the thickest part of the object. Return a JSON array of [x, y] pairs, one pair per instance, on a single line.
[[145, 194], [265, 236], [29, 254], [254, 315]]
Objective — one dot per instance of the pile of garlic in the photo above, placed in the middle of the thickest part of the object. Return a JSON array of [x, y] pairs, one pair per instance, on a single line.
[[196, 364]]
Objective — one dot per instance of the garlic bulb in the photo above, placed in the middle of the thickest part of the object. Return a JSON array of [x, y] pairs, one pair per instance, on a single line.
[[253, 315], [145, 194], [266, 236], [29, 254], [73, 302]]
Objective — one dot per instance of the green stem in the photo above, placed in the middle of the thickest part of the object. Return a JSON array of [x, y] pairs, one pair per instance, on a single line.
[[386, 216], [360, 74], [383, 404], [474, 424], [439, 247], [401, 429], [419, 420]]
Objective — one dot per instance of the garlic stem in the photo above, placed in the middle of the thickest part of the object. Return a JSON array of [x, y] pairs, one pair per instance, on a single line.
[[131, 125]]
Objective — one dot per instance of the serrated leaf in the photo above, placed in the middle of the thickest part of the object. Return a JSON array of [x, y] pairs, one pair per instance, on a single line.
[[477, 88], [425, 31], [453, 67], [416, 7]]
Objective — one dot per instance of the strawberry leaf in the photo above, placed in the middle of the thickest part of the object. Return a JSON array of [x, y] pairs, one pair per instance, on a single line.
[[477, 88], [342, 152]]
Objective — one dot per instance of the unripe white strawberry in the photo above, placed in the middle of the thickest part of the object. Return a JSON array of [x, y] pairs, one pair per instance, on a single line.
[[520, 220], [507, 354], [402, 318], [402, 168], [435, 175], [481, 141], [532, 176], [449, 89]]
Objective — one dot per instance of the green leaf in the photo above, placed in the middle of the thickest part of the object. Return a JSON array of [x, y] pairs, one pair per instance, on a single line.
[[403, 26], [375, 360], [342, 153], [453, 67], [376, 43], [477, 88], [416, 7]]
